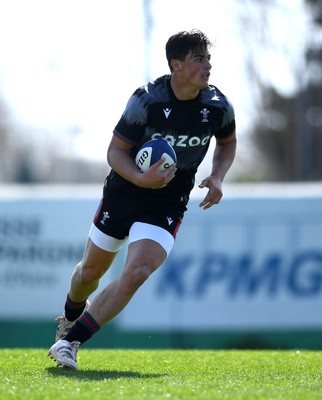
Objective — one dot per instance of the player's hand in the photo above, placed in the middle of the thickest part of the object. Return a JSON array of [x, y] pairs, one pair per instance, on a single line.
[[214, 194], [155, 179]]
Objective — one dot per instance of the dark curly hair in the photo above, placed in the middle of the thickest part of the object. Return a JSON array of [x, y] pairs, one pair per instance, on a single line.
[[182, 43]]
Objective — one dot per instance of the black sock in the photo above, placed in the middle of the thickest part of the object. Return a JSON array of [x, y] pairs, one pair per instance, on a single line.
[[84, 329], [73, 310]]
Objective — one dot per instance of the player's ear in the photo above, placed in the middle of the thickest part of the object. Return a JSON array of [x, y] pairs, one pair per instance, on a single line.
[[176, 65]]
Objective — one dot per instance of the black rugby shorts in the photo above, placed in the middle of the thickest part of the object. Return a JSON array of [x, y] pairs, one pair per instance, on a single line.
[[118, 211]]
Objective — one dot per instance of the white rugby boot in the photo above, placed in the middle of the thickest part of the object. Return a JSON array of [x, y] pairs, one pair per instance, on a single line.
[[64, 325], [64, 353]]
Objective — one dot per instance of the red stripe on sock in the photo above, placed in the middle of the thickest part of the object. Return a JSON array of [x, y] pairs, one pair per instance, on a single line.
[[73, 305], [88, 322]]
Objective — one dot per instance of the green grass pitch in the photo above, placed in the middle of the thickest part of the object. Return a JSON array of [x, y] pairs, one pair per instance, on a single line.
[[163, 374]]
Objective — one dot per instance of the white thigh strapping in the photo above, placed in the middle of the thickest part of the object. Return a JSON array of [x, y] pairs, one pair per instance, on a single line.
[[141, 230], [105, 242]]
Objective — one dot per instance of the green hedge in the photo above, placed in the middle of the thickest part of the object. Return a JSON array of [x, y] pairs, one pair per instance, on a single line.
[[41, 334]]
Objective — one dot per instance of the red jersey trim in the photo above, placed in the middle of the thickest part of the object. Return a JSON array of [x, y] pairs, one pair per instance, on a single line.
[[124, 138]]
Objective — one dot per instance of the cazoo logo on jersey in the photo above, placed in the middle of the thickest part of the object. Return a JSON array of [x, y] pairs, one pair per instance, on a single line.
[[184, 140]]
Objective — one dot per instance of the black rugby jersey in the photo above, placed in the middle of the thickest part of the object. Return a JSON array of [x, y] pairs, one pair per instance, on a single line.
[[153, 111]]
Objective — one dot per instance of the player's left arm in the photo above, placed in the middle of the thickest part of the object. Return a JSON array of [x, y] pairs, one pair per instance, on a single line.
[[223, 158]]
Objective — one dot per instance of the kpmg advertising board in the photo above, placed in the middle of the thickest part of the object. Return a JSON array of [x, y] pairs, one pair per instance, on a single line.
[[250, 263], [299, 275], [184, 274]]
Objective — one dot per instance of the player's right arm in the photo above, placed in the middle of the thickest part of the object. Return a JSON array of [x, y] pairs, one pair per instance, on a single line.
[[118, 157]]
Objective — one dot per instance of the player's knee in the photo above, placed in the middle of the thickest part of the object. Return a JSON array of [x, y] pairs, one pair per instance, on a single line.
[[134, 277], [89, 273]]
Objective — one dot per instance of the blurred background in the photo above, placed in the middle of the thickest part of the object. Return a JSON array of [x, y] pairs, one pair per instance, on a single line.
[[67, 69]]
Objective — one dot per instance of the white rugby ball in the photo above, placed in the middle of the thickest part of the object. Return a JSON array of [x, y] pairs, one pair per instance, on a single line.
[[151, 152]]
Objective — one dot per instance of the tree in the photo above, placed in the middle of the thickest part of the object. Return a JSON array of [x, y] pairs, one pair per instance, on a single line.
[[287, 130]]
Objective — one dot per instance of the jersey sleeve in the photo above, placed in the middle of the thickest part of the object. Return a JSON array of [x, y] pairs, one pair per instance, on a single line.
[[228, 125], [131, 126]]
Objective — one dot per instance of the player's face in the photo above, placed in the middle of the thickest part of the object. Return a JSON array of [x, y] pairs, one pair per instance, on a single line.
[[196, 69]]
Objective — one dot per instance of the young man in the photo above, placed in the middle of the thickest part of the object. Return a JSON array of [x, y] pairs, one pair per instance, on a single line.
[[185, 110]]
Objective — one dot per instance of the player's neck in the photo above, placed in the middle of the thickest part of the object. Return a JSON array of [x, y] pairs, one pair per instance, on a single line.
[[182, 91]]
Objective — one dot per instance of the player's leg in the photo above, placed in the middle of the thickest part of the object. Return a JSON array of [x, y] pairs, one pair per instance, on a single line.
[[149, 246], [99, 254], [87, 274], [144, 257], [84, 281]]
